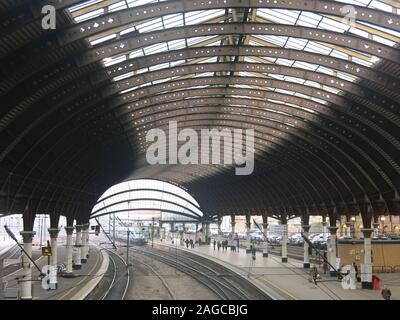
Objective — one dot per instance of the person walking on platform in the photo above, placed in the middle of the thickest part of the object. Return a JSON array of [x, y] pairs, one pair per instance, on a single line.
[[187, 243], [218, 245], [215, 243], [386, 293], [191, 243]]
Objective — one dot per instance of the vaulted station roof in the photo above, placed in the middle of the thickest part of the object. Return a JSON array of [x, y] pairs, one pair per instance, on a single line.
[[320, 88]]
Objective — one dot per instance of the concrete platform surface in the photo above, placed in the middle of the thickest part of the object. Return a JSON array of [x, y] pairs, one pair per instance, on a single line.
[[291, 280], [68, 288]]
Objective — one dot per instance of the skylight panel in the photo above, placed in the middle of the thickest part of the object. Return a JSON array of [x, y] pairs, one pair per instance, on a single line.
[[305, 65], [319, 100], [89, 15], [204, 74], [276, 76], [278, 15], [362, 62], [173, 20], [386, 30], [250, 60], [296, 43], [339, 54], [312, 84], [136, 53], [113, 60], [161, 80], [333, 25], [117, 6], [301, 95], [383, 40], [359, 32], [123, 76], [380, 5], [294, 79], [271, 59], [128, 30], [278, 40], [209, 60], [83, 5], [159, 66], [332, 90], [284, 62], [128, 90], [175, 63], [254, 43], [325, 70], [177, 44], [143, 70], [156, 48], [309, 19], [283, 91], [136, 3], [194, 40], [317, 48], [198, 17], [103, 39], [152, 25], [346, 76]]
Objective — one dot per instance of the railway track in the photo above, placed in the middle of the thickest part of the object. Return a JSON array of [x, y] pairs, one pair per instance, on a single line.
[[121, 277], [13, 253], [226, 284]]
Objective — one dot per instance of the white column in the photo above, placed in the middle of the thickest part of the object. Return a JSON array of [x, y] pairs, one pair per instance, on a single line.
[[366, 268], [26, 283], [233, 224], [265, 250], [332, 248], [219, 230], [207, 231], [85, 231], [306, 262], [376, 229], [69, 230], [248, 240], [53, 283], [78, 244], [87, 241], [284, 243]]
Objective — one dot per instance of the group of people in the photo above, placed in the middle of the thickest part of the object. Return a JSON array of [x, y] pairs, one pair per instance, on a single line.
[[219, 244], [189, 242]]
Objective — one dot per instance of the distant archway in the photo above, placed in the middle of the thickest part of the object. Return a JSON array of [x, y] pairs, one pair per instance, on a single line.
[[172, 202]]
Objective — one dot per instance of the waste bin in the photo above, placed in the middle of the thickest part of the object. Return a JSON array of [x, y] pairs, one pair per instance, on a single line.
[[376, 282]]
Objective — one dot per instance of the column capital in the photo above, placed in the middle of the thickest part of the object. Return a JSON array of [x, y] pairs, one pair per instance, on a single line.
[[376, 225], [69, 230], [367, 232], [333, 230], [27, 236], [233, 223], [306, 227], [53, 232], [248, 225], [78, 228], [85, 226]]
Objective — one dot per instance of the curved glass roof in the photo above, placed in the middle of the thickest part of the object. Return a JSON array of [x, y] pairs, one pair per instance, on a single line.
[[341, 81], [173, 202]]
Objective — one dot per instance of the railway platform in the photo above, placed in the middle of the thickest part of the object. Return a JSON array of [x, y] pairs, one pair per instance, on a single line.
[[76, 287], [289, 280]]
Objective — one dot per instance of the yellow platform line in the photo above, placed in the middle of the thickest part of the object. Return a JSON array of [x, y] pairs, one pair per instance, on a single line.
[[84, 278]]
